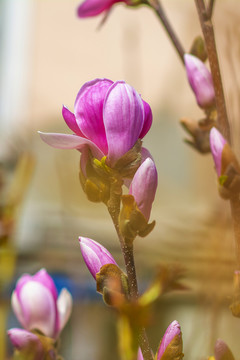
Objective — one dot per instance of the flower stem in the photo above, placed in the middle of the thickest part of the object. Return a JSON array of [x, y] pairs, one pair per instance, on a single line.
[[128, 255], [222, 118], [157, 6]]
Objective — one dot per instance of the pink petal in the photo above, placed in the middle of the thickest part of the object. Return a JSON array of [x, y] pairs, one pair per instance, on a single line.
[[43, 278], [64, 306], [147, 119], [70, 120], [140, 355], [17, 309], [39, 308], [123, 115], [94, 7], [144, 185], [217, 143], [95, 255], [67, 141], [88, 110]]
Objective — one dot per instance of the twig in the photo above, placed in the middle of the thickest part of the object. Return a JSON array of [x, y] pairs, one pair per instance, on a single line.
[[157, 6], [210, 8]]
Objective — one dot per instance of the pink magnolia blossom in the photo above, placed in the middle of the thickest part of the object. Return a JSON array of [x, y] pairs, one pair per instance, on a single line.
[[95, 255], [200, 80], [27, 343], [37, 305], [172, 331], [217, 143], [90, 8], [109, 117], [144, 185]]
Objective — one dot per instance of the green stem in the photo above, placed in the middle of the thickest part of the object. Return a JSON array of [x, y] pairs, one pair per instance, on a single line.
[[157, 6]]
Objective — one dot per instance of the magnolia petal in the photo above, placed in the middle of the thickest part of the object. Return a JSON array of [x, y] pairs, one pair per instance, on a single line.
[[147, 119], [144, 185], [94, 7], [172, 331], [25, 340], [94, 255], [70, 120], [17, 309], [217, 143], [39, 308], [88, 110], [140, 355], [64, 306], [68, 141], [123, 116], [43, 278]]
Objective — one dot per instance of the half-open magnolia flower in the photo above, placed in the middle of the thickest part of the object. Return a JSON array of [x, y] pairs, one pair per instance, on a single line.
[[109, 117], [200, 80], [217, 143], [37, 305], [95, 7], [144, 185], [95, 255]]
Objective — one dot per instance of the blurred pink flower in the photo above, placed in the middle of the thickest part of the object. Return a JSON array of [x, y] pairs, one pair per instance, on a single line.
[[25, 341], [109, 117], [95, 255], [37, 305], [144, 185], [95, 7], [200, 80]]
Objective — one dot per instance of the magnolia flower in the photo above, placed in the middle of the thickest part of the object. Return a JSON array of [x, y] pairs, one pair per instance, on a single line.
[[27, 343], [94, 255], [200, 80], [144, 185], [95, 7], [217, 143], [37, 306], [171, 333], [109, 117]]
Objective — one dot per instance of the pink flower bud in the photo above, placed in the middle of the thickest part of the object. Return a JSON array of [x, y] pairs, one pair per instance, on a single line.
[[37, 306], [222, 351], [109, 117], [26, 343], [144, 185], [200, 80], [94, 255], [94, 7], [217, 143], [172, 331]]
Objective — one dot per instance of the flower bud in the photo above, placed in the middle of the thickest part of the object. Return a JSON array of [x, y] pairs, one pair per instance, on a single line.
[[217, 143], [27, 343], [144, 185], [171, 344], [222, 351], [200, 80], [37, 306], [94, 255]]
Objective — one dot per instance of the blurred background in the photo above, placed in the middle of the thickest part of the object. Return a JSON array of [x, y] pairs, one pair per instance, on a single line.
[[46, 55]]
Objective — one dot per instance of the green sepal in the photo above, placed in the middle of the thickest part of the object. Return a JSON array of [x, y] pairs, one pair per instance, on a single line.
[[128, 164], [132, 221], [112, 283], [198, 48], [222, 179]]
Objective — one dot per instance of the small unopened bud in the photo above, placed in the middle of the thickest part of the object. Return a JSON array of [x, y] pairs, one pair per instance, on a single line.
[[217, 143], [144, 185], [198, 48], [171, 344], [222, 351], [94, 255], [200, 80]]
